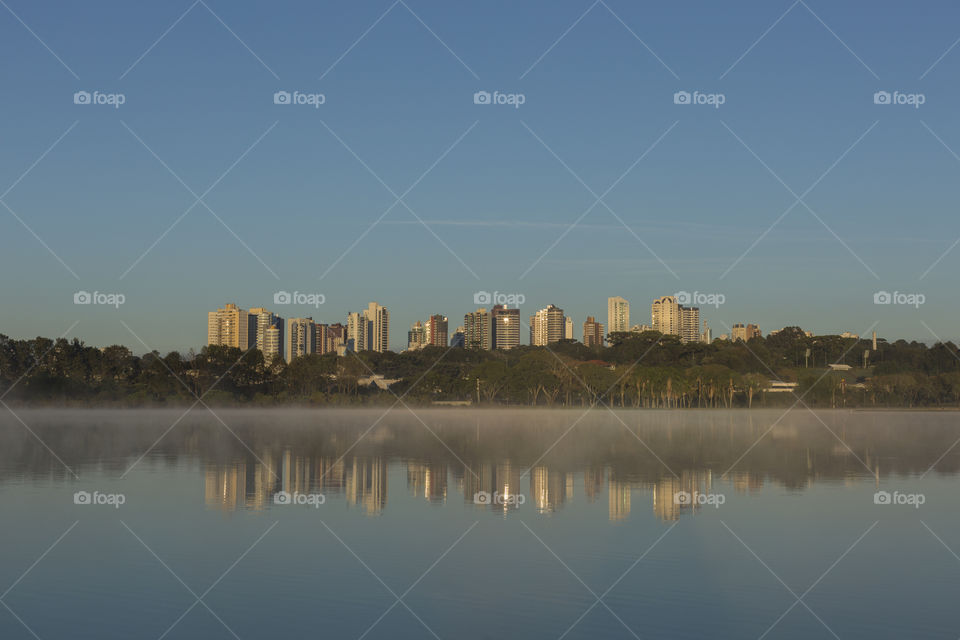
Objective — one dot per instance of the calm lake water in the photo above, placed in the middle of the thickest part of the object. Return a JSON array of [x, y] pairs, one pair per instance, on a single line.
[[479, 524]]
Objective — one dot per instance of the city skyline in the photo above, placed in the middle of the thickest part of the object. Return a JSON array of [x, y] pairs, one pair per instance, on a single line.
[[696, 197]]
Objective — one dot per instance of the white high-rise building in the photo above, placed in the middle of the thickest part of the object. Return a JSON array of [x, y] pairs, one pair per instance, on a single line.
[[547, 326], [378, 327], [300, 337], [568, 328], [618, 315], [357, 331], [671, 318]]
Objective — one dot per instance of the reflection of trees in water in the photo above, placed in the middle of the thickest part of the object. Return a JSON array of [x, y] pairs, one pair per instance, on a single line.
[[794, 452]]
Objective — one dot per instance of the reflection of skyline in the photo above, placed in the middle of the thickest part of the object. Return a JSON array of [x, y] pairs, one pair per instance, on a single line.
[[336, 453], [364, 482]]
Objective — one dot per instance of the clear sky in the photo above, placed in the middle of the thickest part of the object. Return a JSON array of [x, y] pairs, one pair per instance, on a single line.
[[298, 198]]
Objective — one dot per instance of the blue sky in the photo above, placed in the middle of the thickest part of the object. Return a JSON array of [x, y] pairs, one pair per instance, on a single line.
[[295, 187]]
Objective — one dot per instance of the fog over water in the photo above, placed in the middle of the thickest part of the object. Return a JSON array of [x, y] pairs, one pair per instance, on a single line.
[[516, 516]]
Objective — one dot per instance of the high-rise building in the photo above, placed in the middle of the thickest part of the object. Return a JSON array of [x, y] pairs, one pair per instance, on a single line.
[[459, 338], [477, 333], [300, 337], [618, 315], [327, 337], [547, 326], [230, 327], [417, 336], [356, 332], [378, 327], [505, 327], [671, 318], [260, 320], [744, 333], [592, 333], [273, 343], [665, 315], [689, 324], [437, 330], [568, 328], [336, 337]]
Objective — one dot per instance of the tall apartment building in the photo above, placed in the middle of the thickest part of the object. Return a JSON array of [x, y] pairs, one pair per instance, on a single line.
[[437, 330], [230, 327], [477, 333], [665, 315], [547, 326], [301, 337], [744, 333], [357, 331], [459, 338], [417, 336], [689, 324], [671, 318], [505, 325], [320, 345], [336, 337], [378, 327], [260, 320], [568, 328], [618, 315], [273, 343], [592, 333]]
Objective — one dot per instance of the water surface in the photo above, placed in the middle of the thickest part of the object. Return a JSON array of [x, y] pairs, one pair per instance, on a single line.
[[599, 524]]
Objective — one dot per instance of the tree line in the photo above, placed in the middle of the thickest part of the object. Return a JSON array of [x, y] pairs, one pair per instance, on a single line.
[[640, 370]]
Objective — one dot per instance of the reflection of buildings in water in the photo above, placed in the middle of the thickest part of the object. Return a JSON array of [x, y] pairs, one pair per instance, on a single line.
[[690, 483], [503, 479], [593, 482], [549, 489], [427, 480], [331, 475], [225, 487], [619, 495], [746, 482], [294, 473], [367, 484]]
